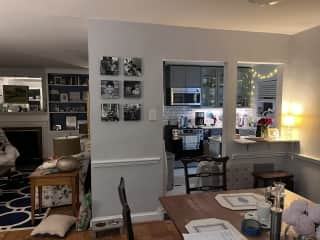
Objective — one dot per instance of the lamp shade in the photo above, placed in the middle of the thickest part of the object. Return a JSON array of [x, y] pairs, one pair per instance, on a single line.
[[65, 146]]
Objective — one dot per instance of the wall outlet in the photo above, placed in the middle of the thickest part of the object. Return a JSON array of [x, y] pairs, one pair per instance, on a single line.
[[110, 223]]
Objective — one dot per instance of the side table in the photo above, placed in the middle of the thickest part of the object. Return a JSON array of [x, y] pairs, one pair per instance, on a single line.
[[37, 179]]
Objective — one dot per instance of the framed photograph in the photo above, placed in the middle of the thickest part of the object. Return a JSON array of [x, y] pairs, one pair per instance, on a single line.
[[64, 97], [132, 66], [109, 66], [110, 89], [132, 112], [132, 89], [71, 122], [58, 127], [110, 112]]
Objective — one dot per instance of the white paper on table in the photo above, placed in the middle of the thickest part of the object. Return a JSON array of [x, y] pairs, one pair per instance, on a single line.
[[217, 235]]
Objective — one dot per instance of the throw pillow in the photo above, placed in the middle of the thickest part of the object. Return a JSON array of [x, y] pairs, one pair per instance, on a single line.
[[84, 217], [54, 225]]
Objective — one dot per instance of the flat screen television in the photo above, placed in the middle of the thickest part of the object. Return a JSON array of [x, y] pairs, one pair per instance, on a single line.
[[15, 94]]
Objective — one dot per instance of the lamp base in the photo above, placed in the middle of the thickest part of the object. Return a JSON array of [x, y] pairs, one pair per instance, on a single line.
[[67, 164]]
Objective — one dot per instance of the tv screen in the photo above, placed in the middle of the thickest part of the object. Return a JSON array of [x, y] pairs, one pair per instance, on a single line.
[[15, 94]]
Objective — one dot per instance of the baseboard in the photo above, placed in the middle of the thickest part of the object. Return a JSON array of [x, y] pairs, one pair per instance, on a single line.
[[109, 221]]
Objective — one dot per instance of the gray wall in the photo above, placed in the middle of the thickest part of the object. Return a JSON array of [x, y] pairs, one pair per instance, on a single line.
[[138, 145]]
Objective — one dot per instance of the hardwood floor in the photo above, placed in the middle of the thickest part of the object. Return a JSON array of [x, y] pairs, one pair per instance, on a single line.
[[158, 230]]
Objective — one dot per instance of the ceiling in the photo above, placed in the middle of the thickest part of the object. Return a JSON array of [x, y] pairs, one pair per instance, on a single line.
[[53, 33]]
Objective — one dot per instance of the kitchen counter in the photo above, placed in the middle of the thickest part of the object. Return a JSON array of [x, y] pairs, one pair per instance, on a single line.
[[253, 140]]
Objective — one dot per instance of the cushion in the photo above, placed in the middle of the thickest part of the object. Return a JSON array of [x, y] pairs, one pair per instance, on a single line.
[[54, 225], [84, 216]]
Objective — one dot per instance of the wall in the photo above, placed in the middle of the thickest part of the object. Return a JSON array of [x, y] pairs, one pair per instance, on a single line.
[[302, 87], [135, 144]]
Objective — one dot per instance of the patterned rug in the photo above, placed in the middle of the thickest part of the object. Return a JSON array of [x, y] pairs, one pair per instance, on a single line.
[[15, 204]]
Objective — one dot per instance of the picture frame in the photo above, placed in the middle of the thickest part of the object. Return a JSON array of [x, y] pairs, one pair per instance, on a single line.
[[132, 66], [71, 122], [109, 66], [64, 97], [132, 89], [110, 112], [110, 89], [132, 112]]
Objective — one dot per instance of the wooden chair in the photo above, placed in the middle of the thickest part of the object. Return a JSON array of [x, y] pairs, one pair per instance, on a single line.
[[269, 177], [221, 174], [156, 230]]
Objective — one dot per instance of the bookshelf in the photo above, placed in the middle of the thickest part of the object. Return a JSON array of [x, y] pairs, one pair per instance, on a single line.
[[68, 94]]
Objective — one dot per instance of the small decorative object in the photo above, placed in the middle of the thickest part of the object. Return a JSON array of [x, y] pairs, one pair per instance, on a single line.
[[64, 97], [110, 89], [132, 89], [273, 133], [110, 112], [109, 66], [263, 125], [132, 66], [132, 112], [64, 147], [74, 96], [303, 217], [58, 127]]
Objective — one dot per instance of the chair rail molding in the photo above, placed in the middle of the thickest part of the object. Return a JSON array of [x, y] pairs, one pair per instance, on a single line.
[[125, 162], [255, 155]]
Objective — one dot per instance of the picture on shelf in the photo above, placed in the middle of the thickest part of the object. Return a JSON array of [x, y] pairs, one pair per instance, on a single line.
[[132, 89], [58, 127], [110, 112], [64, 97], [132, 66], [132, 112], [71, 122], [110, 89], [74, 96], [109, 66]]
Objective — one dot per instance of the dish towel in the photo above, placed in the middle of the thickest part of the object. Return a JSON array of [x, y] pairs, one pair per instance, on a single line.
[[191, 142]]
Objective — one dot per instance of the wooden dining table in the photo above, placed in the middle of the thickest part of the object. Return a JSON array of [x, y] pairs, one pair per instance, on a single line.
[[181, 209]]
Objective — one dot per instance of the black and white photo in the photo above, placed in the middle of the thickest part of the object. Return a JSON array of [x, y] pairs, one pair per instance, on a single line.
[[132, 112], [110, 112], [132, 66], [132, 89], [110, 89], [109, 66]]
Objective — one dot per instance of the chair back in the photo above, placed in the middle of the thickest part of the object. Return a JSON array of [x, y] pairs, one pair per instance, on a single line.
[[126, 213]]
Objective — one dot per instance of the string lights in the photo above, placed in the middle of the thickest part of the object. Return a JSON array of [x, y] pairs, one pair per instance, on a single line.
[[260, 76]]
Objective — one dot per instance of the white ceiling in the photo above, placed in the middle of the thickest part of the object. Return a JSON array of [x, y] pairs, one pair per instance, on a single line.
[[53, 33]]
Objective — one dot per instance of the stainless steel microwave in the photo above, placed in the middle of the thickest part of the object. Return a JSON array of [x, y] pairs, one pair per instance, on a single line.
[[186, 96]]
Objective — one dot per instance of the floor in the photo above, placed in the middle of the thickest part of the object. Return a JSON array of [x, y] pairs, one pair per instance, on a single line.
[[179, 181]]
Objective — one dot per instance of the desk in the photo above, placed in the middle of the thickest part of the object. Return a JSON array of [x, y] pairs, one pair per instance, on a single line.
[[184, 208], [66, 178]]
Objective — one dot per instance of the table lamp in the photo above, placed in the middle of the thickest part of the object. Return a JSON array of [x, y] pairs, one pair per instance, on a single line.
[[64, 147]]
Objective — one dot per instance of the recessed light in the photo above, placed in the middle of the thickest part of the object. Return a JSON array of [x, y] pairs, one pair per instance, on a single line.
[[265, 2]]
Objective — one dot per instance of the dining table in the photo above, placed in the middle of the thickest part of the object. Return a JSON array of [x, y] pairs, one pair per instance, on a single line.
[[182, 209]]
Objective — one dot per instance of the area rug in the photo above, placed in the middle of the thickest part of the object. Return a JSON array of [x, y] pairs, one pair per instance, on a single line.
[[15, 204]]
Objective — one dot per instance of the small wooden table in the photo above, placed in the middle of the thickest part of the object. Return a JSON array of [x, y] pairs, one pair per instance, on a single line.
[[268, 178], [65, 178], [184, 208]]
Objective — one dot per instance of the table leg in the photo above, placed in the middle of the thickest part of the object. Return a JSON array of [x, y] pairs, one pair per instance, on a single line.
[[40, 198], [33, 193], [74, 196]]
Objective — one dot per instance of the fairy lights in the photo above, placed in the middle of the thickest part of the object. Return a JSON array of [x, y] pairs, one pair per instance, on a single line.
[[260, 76]]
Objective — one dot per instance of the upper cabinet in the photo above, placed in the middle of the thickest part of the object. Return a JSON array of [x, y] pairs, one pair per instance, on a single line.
[[212, 86], [184, 76]]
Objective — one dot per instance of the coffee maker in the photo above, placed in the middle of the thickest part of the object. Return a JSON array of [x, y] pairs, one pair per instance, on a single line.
[[199, 118]]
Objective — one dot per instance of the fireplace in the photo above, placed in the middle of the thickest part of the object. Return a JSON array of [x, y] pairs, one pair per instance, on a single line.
[[28, 141]]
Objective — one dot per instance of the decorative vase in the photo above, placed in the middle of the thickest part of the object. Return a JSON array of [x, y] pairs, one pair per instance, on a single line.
[[67, 164], [258, 131], [264, 132]]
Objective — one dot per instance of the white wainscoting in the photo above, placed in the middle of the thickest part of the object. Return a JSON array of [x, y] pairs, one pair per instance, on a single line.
[[142, 186]]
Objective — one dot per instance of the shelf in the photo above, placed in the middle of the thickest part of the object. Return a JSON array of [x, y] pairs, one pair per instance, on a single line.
[[58, 102], [67, 112], [65, 85]]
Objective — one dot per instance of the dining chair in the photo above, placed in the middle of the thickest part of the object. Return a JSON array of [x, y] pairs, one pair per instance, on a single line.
[[156, 230], [216, 168]]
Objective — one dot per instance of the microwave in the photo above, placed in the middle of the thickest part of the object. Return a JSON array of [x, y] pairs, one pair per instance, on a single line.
[[186, 96]]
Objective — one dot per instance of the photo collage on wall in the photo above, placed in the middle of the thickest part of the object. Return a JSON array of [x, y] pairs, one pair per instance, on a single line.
[[117, 89]]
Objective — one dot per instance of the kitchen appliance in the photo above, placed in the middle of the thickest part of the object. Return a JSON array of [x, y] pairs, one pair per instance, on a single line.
[[199, 118], [186, 96]]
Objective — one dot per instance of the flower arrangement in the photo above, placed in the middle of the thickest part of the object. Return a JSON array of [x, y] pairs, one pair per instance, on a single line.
[[263, 124], [303, 217]]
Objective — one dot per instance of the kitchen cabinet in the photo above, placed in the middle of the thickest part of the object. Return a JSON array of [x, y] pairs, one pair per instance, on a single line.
[[184, 76], [212, 86], [245, 87]]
